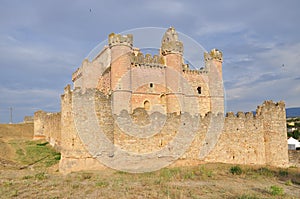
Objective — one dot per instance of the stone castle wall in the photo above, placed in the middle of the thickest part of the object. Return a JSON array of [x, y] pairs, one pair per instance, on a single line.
[[48, 126], [244, 139]]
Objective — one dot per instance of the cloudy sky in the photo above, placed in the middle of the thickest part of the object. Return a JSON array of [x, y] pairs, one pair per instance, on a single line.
[[43, 42]]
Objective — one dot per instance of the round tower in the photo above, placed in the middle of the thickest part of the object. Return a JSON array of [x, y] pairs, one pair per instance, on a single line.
[[172, 49], [121, 49], [120, 46]]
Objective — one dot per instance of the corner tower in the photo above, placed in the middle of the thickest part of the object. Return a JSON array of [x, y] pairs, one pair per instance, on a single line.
[[172, 49]]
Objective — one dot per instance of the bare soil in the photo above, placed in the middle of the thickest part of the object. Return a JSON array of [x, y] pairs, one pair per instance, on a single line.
[[203, 181]]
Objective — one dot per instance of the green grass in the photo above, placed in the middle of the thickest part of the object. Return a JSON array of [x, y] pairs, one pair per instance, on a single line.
[[236, 170], [101, 184], [35, 153], [276, 191]]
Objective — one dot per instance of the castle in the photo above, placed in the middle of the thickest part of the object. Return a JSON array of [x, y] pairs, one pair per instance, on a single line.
[[139, 113]]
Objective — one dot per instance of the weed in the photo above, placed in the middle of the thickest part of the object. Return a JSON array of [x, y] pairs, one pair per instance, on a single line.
[[169, 173], [283, 173], [205, 172], [121, 172], [20, 152], [40, 176], [189, 175], [27, 177], [15, 193], [7, 184], [265, 172], [102, 184], [276, 191], [289, 183], [75, 186], [86, 176], [244, 196], [236, 170]]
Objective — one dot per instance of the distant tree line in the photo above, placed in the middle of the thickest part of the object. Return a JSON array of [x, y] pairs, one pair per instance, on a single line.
[[296, 133]]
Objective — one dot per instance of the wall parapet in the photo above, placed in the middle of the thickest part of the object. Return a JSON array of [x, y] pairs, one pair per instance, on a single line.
[[118, 39], [139, 59]]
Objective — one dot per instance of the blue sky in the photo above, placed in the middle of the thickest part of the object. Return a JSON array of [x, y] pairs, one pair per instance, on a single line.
[[43, 42]]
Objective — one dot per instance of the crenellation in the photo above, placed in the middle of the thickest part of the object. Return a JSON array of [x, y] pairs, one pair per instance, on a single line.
[[170, 43], [230, 114], [249, 115], [241, 114], [155, 61], [77, 74], [118, 39]]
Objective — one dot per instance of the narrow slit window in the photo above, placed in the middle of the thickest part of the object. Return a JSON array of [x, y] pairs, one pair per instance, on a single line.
[[151, 85], [199, 90]]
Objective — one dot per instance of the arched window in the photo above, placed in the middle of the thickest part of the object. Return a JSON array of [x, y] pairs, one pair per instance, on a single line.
[[162, 99], [147, 105]]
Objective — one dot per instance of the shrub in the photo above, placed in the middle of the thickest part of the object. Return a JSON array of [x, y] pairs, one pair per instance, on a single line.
[[283, 173], [289, 183], [236, 170], [276, 191]]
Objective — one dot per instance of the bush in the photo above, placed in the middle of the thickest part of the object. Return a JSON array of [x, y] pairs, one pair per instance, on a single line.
[[283, 173], [276, 191], [236, 170]]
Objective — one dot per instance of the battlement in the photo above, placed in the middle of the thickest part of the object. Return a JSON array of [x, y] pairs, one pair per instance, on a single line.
[[170, 43], [214, 54], [77, 74], [190, 71], [140, 59], [118, 39], [269, 105]]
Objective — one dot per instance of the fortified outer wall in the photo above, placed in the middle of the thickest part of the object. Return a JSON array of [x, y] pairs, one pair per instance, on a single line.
[[48, 126], [245, 138], [28, 119], [74, 156], [259, 139]]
